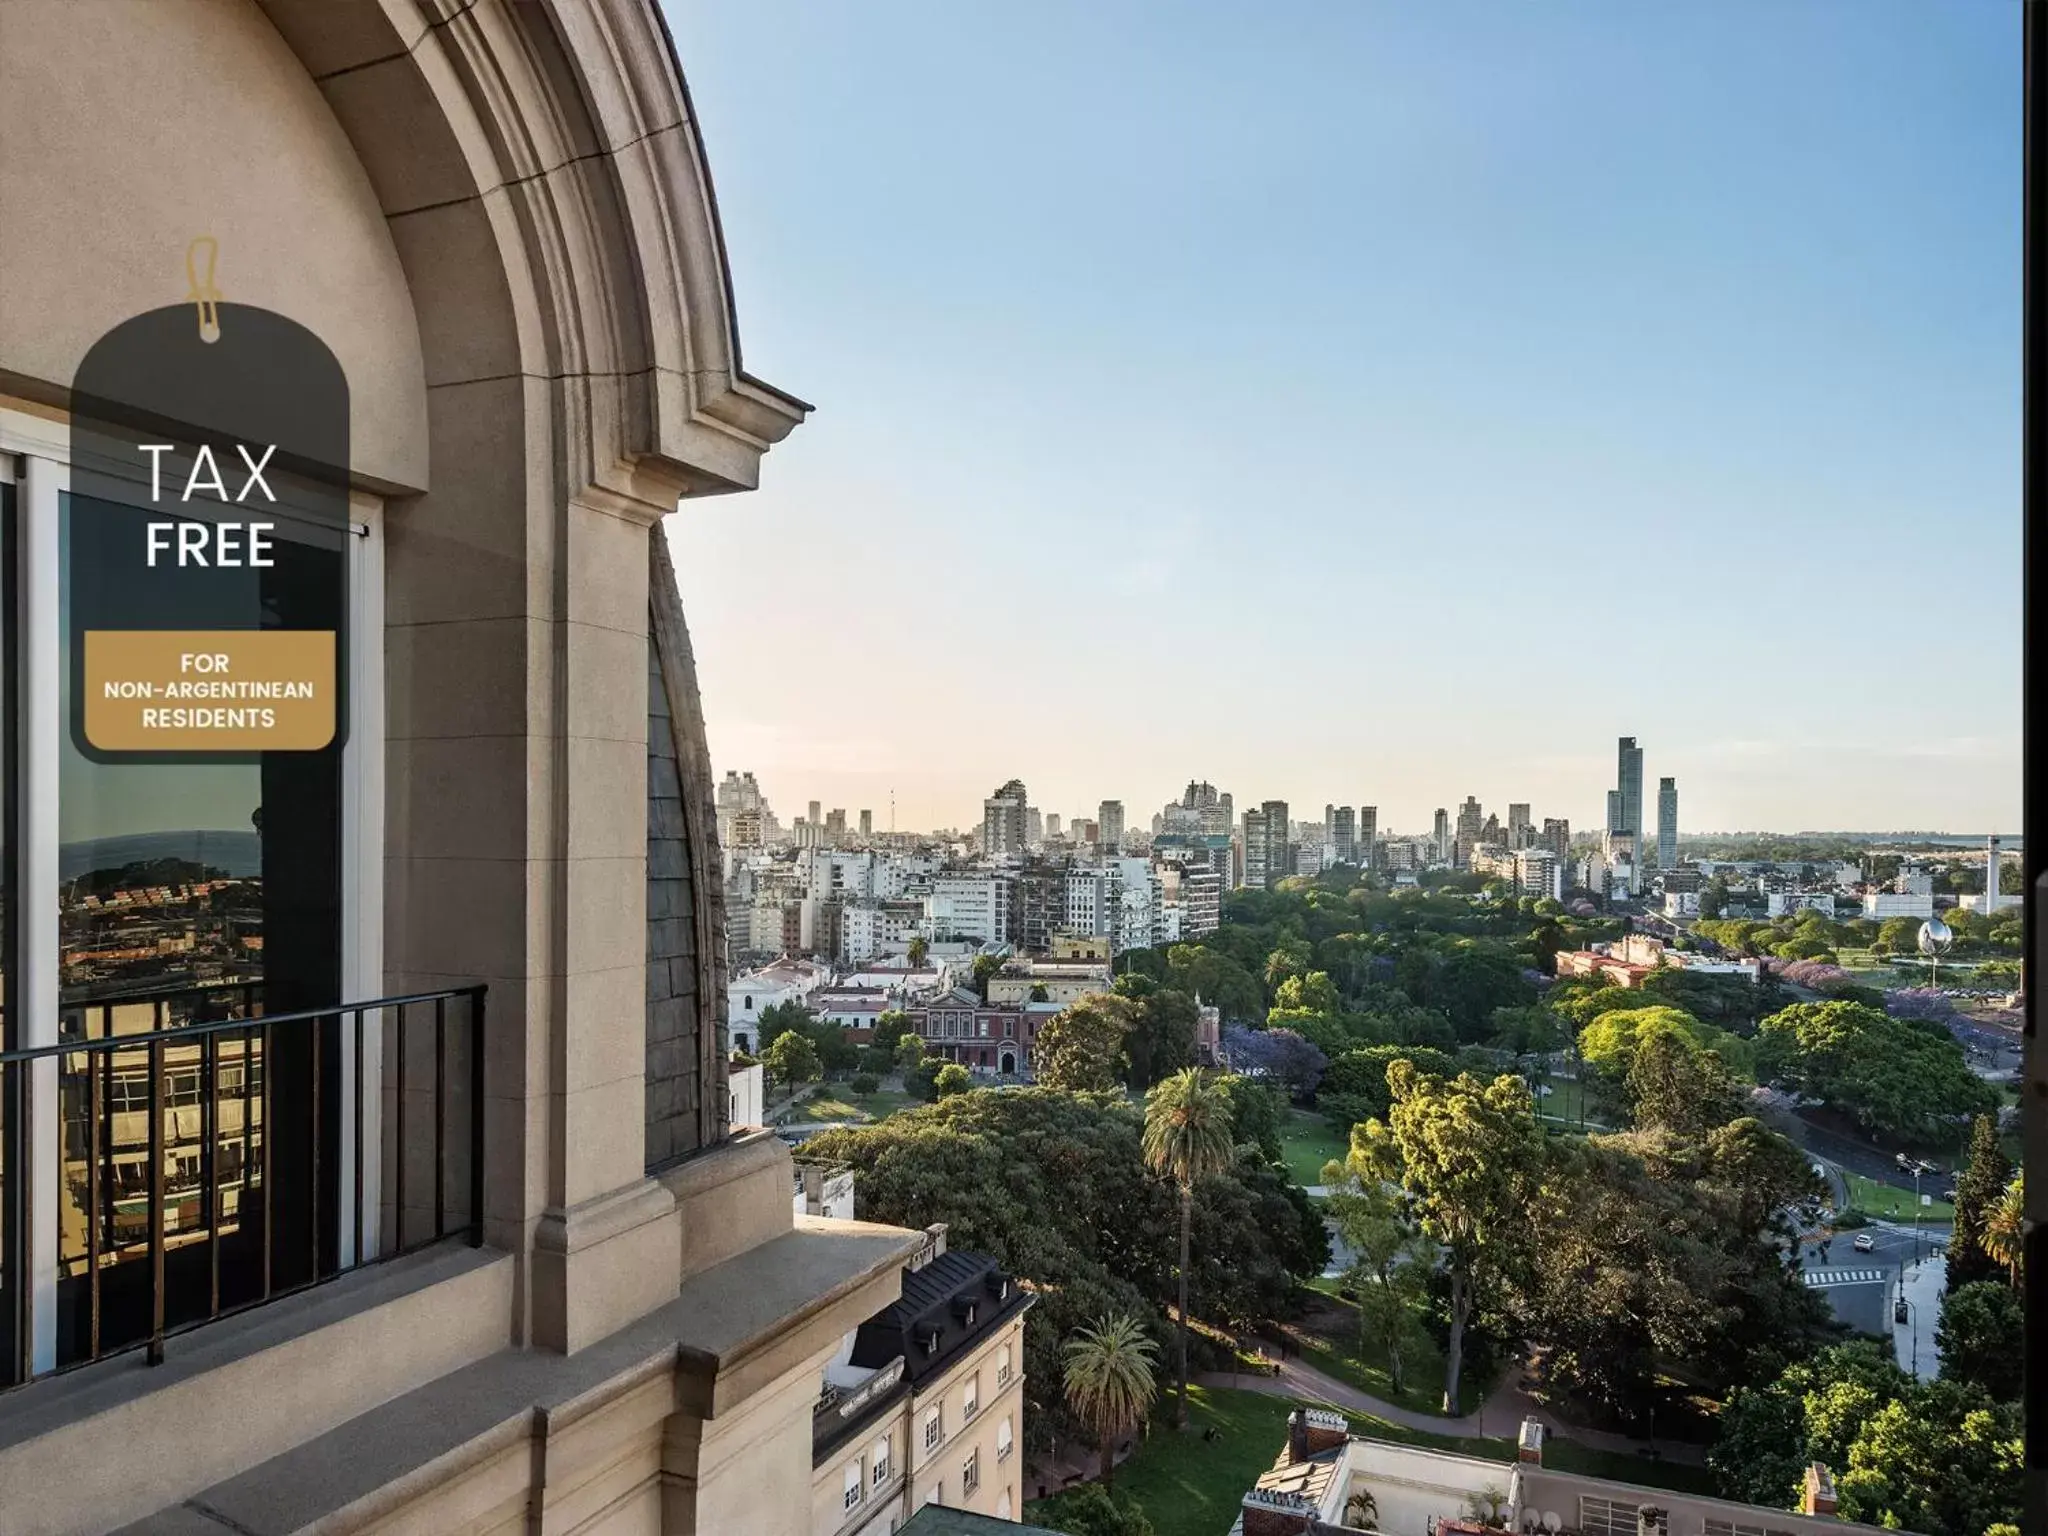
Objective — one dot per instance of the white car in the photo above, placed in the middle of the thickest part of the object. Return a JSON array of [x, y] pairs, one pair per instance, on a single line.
[[1865, 1243]]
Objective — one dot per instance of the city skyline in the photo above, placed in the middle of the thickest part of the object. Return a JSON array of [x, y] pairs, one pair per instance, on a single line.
[[789, 804], [1435, 320]]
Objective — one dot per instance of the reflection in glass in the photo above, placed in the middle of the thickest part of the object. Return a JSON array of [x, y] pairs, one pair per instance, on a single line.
[[175, 903]]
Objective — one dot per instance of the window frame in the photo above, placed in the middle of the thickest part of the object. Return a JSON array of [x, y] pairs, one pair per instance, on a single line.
[[39, 443]]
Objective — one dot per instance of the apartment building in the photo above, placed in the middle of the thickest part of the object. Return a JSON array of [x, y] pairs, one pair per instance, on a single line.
[[1003, 825], [871, 929], [1539, 872], [1268, 856], [969, 906], [451, 1230], [925, 1407]]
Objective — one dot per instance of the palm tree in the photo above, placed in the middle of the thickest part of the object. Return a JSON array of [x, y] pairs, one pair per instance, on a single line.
[[920, 946], [1109, 1383], [2005, 1227], [1188, 1137]]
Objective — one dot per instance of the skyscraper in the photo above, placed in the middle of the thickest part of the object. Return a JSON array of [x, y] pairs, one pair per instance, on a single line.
[[867, 824], [1110, 818], [1667, 824], [1520, 833], [1440, 834], [1002, 820], [1471, 825], [1629, 784], [1368, 835], [1557, 835], [816, 815], [1267, 858]]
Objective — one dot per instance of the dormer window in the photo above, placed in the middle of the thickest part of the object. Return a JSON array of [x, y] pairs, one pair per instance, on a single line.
[[963, 1308]]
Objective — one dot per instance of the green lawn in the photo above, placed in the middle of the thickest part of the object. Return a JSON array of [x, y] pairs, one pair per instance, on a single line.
[[1191, 1487], [839, 1103], [1306, 1143], [1875, 1199], [1567, 1097]]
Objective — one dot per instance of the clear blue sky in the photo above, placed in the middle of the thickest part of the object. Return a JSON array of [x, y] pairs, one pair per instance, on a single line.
[[1372, 402]]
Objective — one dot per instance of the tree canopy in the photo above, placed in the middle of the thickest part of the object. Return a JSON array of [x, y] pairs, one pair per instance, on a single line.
[[1941, 1457], [1888, 1075], [1467, 1154], [1610, 1042], [1081, 1048], [1054, 1185]]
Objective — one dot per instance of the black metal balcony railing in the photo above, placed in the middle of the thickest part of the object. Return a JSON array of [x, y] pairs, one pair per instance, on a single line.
[[201, 1159]]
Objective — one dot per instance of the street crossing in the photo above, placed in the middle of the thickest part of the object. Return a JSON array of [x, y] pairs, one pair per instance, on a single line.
[[1821, 1279]]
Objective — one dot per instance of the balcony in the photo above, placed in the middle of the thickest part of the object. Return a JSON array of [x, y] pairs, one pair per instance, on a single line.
[[207, 1157]]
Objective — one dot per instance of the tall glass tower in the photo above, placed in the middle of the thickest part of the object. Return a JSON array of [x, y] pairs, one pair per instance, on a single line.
[[1629, 784], [1667, 824]]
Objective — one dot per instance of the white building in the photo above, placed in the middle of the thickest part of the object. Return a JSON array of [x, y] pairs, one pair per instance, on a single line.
[[748, 996], [1883, 904], [869, 930], [973, 907], [1324, 1472], [1140, 895], [744, 1086], [1539, 872], [1778, 903], [1092, 899], [1681, 903]]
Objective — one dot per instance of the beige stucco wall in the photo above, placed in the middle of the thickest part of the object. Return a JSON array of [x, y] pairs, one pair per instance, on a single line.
[[940, 1469], [829, 1514], [127, 130]]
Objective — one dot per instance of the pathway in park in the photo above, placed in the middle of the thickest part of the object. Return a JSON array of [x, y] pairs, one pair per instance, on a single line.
[[1500, 1417]]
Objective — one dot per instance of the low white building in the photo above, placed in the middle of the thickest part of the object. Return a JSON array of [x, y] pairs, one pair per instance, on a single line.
[[1681, 903], [1778, 903], [1883, 904], [749, 995], [1327, 1477], [745, 1087]]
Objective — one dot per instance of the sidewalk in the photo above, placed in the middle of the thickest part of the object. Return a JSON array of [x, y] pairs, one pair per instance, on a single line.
[[1499, 1417], [1913, 1341]]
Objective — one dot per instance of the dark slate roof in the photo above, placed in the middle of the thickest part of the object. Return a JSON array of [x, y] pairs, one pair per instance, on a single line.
[[947, 1307]]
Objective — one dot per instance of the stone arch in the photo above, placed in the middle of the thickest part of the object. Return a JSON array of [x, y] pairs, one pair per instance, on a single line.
[[542, 175]]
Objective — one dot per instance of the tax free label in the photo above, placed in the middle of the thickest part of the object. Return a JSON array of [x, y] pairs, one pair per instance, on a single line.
[[205, 541]]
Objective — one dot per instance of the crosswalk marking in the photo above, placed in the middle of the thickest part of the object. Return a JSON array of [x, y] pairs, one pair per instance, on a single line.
[[1819, 1279]]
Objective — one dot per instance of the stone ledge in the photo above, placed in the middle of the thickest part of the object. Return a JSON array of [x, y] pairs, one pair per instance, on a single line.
[[726, 1337], [83, 1452]]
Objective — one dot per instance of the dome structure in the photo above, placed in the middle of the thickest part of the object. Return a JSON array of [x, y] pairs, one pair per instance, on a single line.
[[1935, 937]]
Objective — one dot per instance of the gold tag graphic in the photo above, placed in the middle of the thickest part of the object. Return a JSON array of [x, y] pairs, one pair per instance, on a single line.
[[209, 690]]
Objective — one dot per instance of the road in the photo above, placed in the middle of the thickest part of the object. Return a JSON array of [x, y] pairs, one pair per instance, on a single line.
[[1860, 1287]]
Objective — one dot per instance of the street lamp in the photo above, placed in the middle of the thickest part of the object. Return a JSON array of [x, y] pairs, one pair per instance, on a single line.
[[1917, 1167]]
